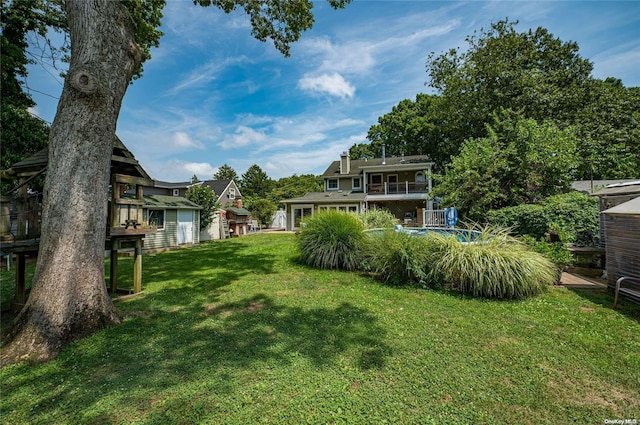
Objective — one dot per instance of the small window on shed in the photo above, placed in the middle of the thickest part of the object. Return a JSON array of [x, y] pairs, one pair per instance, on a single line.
[[155, 218]]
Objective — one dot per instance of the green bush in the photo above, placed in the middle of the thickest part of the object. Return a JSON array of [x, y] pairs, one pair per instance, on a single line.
[[496, 266], [573, 214], [331, 240], [398, 258], [377, 219], [556, 252]]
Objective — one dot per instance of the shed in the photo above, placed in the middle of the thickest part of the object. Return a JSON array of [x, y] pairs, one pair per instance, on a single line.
[[176, 219], [238, 219], [615, 194], [622, 235]]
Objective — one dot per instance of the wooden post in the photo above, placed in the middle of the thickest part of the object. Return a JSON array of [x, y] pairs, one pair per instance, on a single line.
[[22, 211], [113, 267], [137, 267]]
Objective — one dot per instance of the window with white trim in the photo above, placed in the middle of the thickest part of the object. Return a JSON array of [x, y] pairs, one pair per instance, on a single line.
[[232, 194], [356, 184], [332, 184], [154, 218], [176, 192]]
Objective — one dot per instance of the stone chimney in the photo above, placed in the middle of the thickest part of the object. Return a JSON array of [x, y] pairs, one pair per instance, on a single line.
[[238, 203], [345, 163]]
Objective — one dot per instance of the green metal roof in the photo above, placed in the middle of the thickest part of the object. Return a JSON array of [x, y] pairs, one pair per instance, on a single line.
[[164, 201]]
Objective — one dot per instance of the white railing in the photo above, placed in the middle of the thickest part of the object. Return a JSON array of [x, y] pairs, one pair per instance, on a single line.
[[433, 218], [397, 188]]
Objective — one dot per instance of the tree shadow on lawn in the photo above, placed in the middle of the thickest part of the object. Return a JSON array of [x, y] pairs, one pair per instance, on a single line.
[[223, 349], [605, 297], [179, 335]]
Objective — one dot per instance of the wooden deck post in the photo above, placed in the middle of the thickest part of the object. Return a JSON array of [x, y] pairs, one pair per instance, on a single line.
[[137, 267]]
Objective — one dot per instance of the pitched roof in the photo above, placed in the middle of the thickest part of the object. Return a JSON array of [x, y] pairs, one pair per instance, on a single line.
[[356, 165], [218, 186], [163, 201], [122, 161], [169, 185], [238, 211]]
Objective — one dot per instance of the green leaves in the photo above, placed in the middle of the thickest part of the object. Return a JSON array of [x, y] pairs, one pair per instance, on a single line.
[[207, 199]]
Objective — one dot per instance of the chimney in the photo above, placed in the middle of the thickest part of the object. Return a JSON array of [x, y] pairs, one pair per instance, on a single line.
[[238, 203], [384, 160], [345, 163]]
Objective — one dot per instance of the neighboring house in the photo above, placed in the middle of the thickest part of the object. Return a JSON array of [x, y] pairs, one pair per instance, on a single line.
[[401, 185], [622, 236], [612, 195], [589, 187], [176, 219], [226, 190]]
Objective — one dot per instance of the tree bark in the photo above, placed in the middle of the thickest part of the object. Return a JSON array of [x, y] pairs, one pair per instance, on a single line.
[[69, 299]]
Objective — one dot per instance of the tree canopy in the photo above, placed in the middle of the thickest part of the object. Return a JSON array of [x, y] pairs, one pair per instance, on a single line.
[[226, 172], [207, 199]]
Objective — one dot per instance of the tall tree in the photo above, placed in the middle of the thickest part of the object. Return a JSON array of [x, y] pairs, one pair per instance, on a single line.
[[109, 42], [226, 172], [520, 161], [255, 182]]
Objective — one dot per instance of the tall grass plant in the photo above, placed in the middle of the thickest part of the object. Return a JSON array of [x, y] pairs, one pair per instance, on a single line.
[[332, 240]]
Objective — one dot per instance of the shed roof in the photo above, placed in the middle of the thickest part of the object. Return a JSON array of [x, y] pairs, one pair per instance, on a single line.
[[238, 211], [624, 188], [163, 201], [631, 207]]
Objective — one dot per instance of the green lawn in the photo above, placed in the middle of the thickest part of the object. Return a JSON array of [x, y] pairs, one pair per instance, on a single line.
[[237, 332]]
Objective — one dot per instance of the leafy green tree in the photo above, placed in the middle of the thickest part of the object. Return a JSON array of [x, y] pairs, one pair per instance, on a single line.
[[412, 128], [207, 199], [520, 161], [255, 182], [226, 172], [295, 186], [533, 73], [110, 40], [262, 209]]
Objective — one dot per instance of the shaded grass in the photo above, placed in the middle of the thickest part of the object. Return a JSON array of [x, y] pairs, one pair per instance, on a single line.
[[237, 332]]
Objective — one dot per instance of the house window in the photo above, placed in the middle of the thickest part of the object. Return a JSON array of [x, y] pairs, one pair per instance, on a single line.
[[356, 184], [232, 194], [332, 184], [392, 183], [176, 192], [154, 218]]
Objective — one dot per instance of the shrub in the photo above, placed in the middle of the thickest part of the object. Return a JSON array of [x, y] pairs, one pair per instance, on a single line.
[[556, 252], [398, 258], [331, 240], [574, 214], [496, 266], [377, 219]]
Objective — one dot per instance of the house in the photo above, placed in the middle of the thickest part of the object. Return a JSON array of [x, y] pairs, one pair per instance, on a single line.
[[401, 185], [226, 190], [622, 236], [176, 219]]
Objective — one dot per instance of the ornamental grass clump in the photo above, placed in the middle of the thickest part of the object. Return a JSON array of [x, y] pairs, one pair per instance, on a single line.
[[398, 258], [495, 266], [377, 219], [332, 240]]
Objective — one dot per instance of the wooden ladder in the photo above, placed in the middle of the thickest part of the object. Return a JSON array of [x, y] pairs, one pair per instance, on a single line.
[[225, 228]]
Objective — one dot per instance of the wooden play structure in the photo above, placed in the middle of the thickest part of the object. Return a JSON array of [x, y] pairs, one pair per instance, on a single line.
[[126, 229]]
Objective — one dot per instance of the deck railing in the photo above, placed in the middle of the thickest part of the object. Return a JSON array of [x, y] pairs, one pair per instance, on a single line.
[[433, 218], [397, 188]]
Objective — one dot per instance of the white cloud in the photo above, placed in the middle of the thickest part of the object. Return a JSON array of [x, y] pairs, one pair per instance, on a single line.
[[181, 140], [333, 84], [243, 136], [205, 73]]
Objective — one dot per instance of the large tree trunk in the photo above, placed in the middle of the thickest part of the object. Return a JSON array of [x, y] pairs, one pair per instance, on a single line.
[[69, 298]]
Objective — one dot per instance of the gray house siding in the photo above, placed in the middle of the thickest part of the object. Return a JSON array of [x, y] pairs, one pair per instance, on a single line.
[[167, 236]]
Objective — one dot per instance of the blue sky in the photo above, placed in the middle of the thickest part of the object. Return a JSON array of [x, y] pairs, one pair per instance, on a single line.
[[212, 94]]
